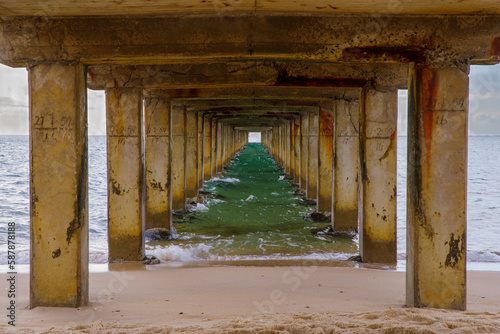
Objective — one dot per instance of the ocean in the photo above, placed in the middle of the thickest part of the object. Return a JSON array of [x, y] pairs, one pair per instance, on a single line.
[[252, 214]]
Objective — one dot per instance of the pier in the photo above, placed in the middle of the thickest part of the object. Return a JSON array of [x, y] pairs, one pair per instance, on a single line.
[[187, 81]]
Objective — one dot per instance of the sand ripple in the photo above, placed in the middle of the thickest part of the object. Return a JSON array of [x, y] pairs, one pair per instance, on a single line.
[[391, 321]]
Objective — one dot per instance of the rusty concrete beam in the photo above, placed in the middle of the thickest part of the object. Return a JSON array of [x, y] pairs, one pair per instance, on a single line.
[[248, 110], [252, 128], [251, 36], [283, 102], [270, 93], [252, 73]]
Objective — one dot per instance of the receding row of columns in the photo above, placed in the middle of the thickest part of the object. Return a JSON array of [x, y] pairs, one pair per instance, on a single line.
[[343, 156], [158, 155]]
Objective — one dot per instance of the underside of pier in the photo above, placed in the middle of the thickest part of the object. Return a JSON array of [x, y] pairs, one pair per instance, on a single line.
[[186, 81]]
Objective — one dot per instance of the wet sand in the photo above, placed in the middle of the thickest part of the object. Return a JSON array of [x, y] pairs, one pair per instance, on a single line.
[[132, 298]]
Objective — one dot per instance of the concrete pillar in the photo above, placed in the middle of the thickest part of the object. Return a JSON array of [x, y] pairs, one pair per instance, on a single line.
[[58, 186], [158, 154], [200, 139], [225, 140], [325, 157], [296, 149], [287, 152], [191, 156], [346, 167], [219, 146], [437, 186], [275, 144], [125, 168], [280, 140], [304, 145], [312, 168], [232, 143], [378, 122], [178, 139], [207, 148], [213, 158], [292, 148]]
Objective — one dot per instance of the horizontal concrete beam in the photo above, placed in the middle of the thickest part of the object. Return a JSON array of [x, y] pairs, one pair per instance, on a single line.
[[250, 36], [250, 102], [270, 93], [251, 73], [254, 110], [252, 128]]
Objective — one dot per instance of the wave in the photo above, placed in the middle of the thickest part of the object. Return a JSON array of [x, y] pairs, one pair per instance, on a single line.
[[199, 207], [483, 256], [224, 179]]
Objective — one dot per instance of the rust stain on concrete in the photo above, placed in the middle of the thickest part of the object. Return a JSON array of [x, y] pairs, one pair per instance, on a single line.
[[495, 47], [400, 54], [73, 227], [286, 80], [430, 83], [457, 249], [56, 253]]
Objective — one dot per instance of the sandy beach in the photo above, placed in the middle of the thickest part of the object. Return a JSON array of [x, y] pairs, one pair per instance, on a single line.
[[132, 298]]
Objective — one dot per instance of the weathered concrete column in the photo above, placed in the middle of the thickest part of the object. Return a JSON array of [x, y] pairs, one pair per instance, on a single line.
[[346, 167], [312, 168], [201, 147], [325, 157], [178, 139], [158, 155], [296, 149], [281, 148], [207, 148], [59, 259], [437, 186], [213, 158], [378, 122], [276, 143], [228, 145], [191, 156], [287, 152], [219, 147], [232, 142], [304, 154], [225, 139], [292, 149], [125, 187]]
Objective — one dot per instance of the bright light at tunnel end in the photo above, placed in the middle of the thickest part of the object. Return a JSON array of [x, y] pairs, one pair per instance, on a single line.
[[254, 137]]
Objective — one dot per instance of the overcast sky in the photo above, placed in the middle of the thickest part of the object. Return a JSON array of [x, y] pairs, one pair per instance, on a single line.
[[484, 103]]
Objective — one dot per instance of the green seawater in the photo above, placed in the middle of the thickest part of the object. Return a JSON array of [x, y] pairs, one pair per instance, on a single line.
[[252, 214]]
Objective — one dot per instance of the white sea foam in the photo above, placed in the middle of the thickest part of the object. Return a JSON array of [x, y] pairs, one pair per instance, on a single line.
[[199, 207], [224, 179], [251, 197], [214, 201], [188, 253]]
